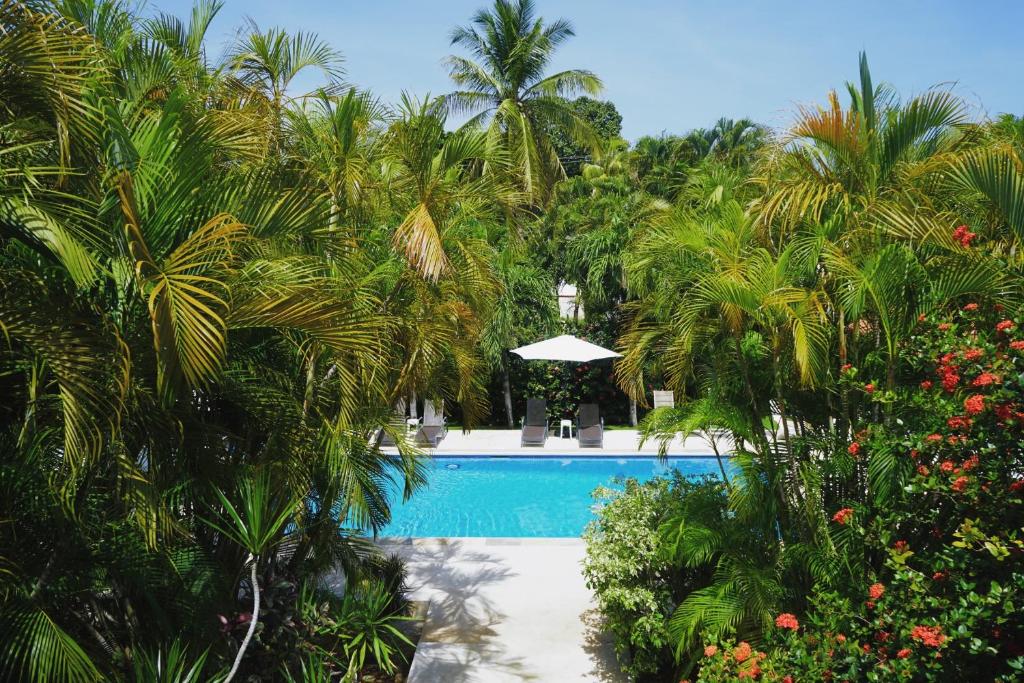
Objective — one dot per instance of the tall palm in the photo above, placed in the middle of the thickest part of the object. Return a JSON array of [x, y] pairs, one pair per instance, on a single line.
[[267, 62], [506, 88], [338, 140]]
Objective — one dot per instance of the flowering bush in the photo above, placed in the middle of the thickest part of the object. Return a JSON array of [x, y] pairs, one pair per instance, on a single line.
[[935, 582]]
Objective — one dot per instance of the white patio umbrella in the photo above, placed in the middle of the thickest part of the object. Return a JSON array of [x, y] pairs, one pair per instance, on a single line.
[[564, 347]]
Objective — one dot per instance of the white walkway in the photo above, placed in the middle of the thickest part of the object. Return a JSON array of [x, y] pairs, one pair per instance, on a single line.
[[504, 610], [616, 442]]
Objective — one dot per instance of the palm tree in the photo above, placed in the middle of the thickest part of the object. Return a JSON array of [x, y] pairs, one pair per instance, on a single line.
[[266, 63], [507, 90], [338, 141]]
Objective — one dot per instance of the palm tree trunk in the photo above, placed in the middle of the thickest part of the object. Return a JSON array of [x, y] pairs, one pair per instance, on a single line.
[[507, 386], [412, 404], [632, 413], [252, 622]]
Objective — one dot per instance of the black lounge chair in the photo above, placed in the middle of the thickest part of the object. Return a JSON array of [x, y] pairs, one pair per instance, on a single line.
[[535, 426], [590, 426], [434, 428]]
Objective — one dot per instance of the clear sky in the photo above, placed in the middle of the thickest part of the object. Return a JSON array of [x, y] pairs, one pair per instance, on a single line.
[[673, 66]]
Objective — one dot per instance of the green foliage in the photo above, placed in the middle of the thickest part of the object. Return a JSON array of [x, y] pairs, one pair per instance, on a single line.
[[629, 567], [603, 117]]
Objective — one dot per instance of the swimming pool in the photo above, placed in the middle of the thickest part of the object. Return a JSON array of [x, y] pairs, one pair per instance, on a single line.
[[520, 497]]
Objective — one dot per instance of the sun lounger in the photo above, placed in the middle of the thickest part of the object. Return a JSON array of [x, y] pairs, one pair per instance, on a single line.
[[664, 399], [590, 426], [535, 426], [434, 428], [398, 424]]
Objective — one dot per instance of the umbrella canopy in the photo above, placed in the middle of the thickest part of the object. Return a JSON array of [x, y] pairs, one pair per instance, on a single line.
[[564, 347]]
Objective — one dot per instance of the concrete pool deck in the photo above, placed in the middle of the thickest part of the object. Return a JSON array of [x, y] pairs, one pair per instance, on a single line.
[[505, 610], [617, 442]]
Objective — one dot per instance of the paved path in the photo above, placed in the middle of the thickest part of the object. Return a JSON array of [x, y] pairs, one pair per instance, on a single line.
[[616, 442], [504, 610]]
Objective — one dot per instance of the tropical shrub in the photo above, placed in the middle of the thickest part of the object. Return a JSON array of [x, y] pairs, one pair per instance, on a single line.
[[928, 581], [631, 572]]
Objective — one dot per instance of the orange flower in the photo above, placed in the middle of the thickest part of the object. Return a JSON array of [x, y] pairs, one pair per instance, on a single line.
[[904, 653], [742, 652], [843, 516], [973, 354], [947, 466], [931, 636], [869, 387], [787, 620], [960, 484], [876, 591], [1004, 325], [971, 307], [985, 379], [1017, 345], [854, 449], [974, 404], [710, 650]]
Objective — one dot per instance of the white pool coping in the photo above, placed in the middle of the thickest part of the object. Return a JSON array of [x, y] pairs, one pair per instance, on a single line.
[[617, 443]]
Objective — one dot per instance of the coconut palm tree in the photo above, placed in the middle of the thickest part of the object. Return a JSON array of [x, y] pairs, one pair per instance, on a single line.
[[506, 87]]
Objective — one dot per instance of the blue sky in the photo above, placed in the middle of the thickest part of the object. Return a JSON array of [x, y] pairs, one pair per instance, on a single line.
[[674, 66]]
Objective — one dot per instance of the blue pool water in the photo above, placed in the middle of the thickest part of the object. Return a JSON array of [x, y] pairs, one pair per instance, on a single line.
[[520, 497]]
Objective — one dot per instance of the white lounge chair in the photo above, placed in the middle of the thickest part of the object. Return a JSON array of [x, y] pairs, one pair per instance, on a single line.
[[434, 428], [664, 399]]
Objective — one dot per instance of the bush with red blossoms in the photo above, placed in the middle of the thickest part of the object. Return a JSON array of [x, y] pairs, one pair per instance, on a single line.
[[935, 544]]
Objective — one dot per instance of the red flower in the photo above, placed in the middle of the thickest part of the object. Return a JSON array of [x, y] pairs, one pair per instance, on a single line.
[[854, 449], [922, 470], [1004, 325], [985, 379], [949, 381], [960, 484], [939, 576], [840, 638], [870, 604], [903, 654], [843, 516], [933, 438], [742, 652], [710, 650], [876, 591], [959, 422], [1017, 345], [1017, 486], [971, 307], [787, 620], [927, 384], [971, 462], [931, 636], [845, 368], [944, 326], [963, 235], [866, 648], [787, 679], [946, 466], [869, 388], [900, 546], [974, 404], [973, 354]]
